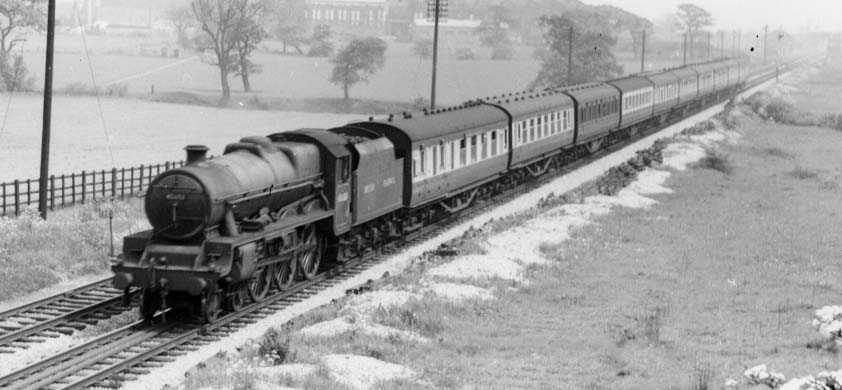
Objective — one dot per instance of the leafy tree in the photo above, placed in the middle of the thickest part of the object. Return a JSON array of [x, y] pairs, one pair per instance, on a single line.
[[494, 32], [289, 24], [249, 35], [592, 56], [320, 44], [693, 19], [16, 18], [226, 26], [358, 61]]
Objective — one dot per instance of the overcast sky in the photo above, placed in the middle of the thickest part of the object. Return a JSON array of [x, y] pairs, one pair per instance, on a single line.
[[793, 15]]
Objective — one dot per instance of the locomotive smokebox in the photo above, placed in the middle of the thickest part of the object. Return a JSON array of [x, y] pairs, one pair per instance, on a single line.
[[196, 153]]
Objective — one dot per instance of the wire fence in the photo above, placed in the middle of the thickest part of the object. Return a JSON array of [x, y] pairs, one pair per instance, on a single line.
[[79, 188]]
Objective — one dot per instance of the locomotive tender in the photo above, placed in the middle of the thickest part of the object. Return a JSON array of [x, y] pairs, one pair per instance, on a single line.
[[273, 209]]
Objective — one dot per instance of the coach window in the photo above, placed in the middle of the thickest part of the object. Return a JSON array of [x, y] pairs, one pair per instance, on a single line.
[[531, 130], [504, 139], [416, 163], [452, 154], [483, 139], [494, 142], [423, 161], [435, 159], [540, 127], [443, 152], [463, 152], [473, 149]]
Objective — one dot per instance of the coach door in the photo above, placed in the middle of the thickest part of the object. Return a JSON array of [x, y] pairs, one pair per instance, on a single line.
[[342, 216]]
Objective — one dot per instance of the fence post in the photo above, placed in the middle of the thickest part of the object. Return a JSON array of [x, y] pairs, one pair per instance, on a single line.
[[113, 183], [102, 182], [17, 197], [166, 165], [4, 199], [122, 183], [28, 192], [52, 192], [73, 188], [131, 181], [140, 182], [62, 190], [84, 184], [93, 185]]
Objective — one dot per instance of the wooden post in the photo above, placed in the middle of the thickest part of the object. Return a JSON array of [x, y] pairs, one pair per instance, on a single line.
[[29, 192], [140, 182], [62, 189], [52, 192], [131, 181], [435, 55], [122, 182], [48, 104], [73, 188], [93, 185], [113, 183], [570, 56], [17, 197], [102, 182], [643, 52], [84, 184]]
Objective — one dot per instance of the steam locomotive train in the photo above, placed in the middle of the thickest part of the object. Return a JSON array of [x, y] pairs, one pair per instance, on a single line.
[[272, 209]]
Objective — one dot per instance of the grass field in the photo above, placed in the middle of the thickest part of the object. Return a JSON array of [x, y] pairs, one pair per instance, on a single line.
[[404, 78], [138, 132]]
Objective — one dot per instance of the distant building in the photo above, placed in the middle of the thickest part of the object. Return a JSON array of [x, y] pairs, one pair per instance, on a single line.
[[364, 17], [449, 29], [356, 17]]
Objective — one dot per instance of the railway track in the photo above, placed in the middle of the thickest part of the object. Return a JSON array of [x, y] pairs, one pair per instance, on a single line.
[[60, 314], [134, 350]]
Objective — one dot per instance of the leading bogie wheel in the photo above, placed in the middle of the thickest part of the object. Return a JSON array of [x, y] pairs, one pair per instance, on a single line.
[[259, 284], [311, 253]]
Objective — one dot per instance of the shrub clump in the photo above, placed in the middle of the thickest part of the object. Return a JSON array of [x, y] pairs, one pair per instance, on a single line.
[[717, 162]]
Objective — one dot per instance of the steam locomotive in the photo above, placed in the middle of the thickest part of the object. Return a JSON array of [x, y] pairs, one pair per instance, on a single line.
[[273, 209]]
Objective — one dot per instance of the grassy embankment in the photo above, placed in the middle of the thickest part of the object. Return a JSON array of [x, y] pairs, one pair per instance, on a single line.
[[72, 243]]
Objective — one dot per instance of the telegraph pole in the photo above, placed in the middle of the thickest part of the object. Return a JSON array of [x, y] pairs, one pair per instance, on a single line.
[[434, 7], [48, 106], [708, 45], [643, 52], [684, 46], [722, 44], [570, 56]]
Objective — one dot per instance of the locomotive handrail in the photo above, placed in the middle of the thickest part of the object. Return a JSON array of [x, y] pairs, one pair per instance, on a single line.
[[314, 180]]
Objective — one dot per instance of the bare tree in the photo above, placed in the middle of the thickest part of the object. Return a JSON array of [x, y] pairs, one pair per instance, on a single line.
[[16, 17], [223, 23], [693, 18]]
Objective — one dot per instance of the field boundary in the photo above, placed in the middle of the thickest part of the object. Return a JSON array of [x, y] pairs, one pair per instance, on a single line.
[[80, 188]]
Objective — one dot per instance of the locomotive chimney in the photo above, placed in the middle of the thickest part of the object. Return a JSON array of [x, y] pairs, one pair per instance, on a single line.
[[196, 153]]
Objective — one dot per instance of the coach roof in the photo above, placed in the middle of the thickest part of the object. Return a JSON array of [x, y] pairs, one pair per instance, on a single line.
[[419, 126], [526, 103]]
